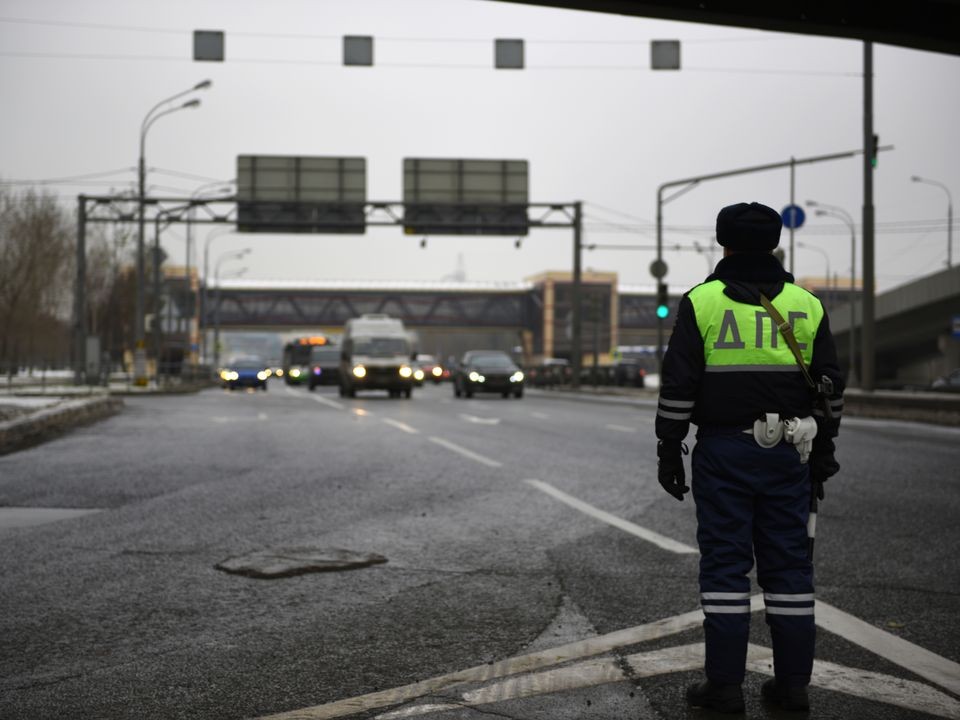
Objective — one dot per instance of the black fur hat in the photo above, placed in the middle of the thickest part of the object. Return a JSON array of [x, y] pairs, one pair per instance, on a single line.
[[749, 227]]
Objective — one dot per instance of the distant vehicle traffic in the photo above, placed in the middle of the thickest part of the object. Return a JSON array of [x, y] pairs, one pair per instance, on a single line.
[[245, 372], [296, 357], [432, 369], [324, 366], [377, 354], [550, 372], [487, 371]]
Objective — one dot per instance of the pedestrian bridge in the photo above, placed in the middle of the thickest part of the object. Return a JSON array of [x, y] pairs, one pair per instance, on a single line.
[[914, 323]]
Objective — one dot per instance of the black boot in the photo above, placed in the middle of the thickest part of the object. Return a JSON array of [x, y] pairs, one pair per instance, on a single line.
[[722, 698], [786, 696]]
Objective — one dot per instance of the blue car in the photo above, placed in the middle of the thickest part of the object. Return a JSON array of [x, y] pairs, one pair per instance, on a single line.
[[245, 373]]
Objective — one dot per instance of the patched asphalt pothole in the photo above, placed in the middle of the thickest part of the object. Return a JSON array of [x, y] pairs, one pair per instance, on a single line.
[[290, 561]]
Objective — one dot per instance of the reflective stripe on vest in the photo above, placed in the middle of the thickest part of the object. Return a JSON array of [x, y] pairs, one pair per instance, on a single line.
[[739, 336]]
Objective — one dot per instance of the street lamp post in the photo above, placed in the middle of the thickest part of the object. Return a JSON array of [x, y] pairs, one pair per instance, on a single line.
[[823, 209], [943, 187], [205, 294], [826, 257], [224, 187], [234, 255], [140, 375]]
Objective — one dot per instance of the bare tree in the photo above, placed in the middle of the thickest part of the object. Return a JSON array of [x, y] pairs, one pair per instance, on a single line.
[[111, 288], [36, 242]]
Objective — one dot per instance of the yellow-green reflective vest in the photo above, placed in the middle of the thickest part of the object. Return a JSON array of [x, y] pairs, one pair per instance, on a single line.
[[742, 337]]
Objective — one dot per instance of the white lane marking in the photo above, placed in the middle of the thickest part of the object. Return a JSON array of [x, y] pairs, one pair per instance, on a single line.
[[875, 686], [16, 517], [539, 415], [643, 533], [503, 668], [859, 683], [401, 426], [327, 401], [222, 419], [466, 453], [480, 420], [851, 681], [933, 667], [601, 671], [621, 428]]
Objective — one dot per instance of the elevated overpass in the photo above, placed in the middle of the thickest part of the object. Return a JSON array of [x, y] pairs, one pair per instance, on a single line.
[[915, 340]]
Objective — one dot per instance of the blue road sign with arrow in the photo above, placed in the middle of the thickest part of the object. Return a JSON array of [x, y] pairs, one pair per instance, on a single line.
[[793, 216]]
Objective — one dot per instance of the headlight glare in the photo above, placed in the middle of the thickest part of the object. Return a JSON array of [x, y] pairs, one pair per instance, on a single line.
[[517, 377], [359, 371], [263, 375], [405, 371]]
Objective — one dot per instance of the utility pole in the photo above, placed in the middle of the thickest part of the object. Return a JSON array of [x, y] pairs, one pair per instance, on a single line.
[[867, 373], [576, 350]]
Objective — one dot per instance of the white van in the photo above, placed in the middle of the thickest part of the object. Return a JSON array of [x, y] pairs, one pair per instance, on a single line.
[[376, 354]]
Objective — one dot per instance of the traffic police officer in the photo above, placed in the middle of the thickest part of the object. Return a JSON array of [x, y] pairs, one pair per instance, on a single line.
[[730, 370]]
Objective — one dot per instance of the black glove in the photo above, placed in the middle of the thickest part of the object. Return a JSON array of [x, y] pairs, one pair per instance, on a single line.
[[823, 466], [670, 467]]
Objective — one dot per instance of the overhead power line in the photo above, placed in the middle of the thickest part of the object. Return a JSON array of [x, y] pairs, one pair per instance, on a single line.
[[385, 38], [70, 179]]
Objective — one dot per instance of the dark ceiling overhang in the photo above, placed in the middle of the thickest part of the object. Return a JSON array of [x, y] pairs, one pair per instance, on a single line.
[[921, 24]]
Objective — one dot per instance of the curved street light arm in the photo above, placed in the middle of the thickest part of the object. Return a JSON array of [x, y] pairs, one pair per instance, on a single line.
[[143, 131], [202, 85]]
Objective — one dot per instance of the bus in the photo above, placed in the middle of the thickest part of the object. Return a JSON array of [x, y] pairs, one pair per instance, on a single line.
[[296, 357]]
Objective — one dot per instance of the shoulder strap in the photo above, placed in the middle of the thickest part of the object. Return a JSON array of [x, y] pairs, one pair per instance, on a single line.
[[787, 332]]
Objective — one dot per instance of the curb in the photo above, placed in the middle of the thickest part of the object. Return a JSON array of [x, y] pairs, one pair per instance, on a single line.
[[49, 423]]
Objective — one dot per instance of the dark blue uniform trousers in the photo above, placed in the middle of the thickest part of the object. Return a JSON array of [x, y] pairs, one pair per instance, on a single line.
[[753, 502]]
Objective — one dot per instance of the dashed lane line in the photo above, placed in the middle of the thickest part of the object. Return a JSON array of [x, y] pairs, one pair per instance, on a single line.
[[317, 398], [480, 420], [466, 453], [327, 401], [643, 533], [401, 426]]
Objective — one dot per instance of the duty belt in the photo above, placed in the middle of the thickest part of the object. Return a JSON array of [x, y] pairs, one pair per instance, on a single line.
[[769, 430]]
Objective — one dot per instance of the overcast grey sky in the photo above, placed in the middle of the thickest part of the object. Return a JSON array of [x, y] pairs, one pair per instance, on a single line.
[[596, 124]]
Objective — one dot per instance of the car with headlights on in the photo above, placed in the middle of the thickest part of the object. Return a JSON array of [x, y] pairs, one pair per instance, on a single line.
[[431, 368], [245, 373], [490, 371]]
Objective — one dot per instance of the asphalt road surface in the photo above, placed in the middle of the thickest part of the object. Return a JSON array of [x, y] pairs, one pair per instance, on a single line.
[[535, 569]]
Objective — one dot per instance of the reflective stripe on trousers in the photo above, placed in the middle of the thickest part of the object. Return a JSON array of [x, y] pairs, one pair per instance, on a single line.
[[753, 502]]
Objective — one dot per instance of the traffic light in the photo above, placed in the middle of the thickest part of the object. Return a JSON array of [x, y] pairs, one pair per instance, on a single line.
[[663, 301], [873, 157]]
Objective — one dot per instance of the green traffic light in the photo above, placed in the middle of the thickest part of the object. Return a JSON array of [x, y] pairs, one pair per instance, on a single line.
[[662, 311]]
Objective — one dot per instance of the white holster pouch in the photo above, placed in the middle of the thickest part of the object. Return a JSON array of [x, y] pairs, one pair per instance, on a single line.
[[768, 431], [800, 433]]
